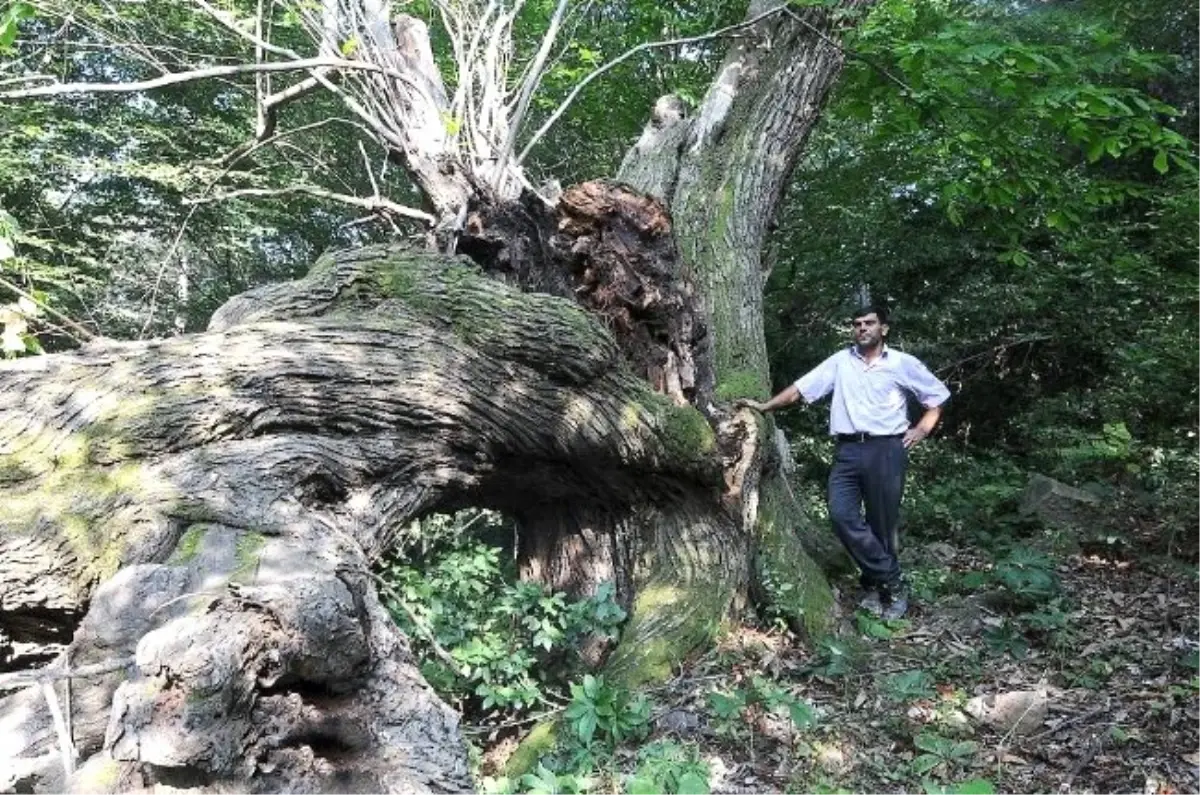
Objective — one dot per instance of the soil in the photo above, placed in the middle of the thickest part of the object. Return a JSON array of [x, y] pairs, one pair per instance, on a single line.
[[1111, 657]]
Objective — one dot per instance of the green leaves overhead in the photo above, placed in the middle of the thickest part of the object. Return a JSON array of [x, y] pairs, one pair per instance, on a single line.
[[999, 104], [9, 19]]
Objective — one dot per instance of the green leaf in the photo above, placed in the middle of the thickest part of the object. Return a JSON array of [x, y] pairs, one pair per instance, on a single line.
[[925, 762], [1160, 162], [975, 786], [586, 726], [643, 785], [692, 783], [803, 715]]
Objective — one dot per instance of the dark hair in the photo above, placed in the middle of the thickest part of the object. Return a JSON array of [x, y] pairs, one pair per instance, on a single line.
[[880, 310]]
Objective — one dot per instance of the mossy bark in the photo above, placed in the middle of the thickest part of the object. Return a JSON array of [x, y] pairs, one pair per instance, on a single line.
[[721, 171], [218, 546], [222, 497]]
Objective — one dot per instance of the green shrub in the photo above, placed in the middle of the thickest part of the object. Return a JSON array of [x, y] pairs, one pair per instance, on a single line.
[[506, 641]]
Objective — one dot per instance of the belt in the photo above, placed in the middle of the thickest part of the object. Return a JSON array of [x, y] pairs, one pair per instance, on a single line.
[[864, 437]]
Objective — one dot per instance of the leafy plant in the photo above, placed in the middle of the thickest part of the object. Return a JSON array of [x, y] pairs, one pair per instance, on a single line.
[[501, 642], [975, 786], [1027, 575], [731, 709], [834, 658], [665, 766], [1007, 639], [940, 752], [909, 686], [612, 713]]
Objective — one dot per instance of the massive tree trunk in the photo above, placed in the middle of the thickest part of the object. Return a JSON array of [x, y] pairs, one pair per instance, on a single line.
[[199, 517], [188, 526]]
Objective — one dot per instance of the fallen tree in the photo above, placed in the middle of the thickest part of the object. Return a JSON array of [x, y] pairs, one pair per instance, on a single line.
[[193, 521]]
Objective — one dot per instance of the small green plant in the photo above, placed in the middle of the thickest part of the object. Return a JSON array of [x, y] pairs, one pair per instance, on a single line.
[[1028, 576], [730, 709], [604, 711], [834, 658], [665, 766], [940, 752], [909, 686], [877, 628], [545, 781], [1007, 639]]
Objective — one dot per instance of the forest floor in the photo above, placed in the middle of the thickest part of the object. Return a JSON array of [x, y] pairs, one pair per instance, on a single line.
[[1095, 655]]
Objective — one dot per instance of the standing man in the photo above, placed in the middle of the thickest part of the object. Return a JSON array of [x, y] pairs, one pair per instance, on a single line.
[[869, 419]]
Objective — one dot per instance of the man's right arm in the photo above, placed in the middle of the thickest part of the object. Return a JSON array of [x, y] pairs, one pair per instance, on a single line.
[[812, 386], [787, 397]]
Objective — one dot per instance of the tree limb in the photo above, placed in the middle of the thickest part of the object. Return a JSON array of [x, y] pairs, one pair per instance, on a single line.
[[174, 78], [648, 45], [530, 85], [87, 335], [374, 204]]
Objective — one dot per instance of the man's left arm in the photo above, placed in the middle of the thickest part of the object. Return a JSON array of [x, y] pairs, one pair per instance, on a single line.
[[931, 392]]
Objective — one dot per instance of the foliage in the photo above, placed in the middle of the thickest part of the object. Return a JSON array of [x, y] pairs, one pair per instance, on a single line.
[[909, 685], [666, 766], [940, 752], [735, 710], [542, 781], [611, 714], [975, 786], [508, 640], [996, 173], [1027, 575]]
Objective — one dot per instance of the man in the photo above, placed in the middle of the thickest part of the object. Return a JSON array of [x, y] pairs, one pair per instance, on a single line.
[[869, 419]]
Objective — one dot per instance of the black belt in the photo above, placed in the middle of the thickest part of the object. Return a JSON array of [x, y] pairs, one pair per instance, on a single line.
[[864, 437]]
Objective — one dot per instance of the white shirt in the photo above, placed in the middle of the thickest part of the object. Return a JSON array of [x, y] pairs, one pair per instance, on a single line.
[[869, 397]]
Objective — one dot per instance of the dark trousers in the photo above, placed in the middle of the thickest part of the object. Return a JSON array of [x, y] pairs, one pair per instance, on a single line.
[[869, 474]]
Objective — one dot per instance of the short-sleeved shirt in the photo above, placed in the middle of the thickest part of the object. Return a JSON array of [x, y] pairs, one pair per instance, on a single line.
[[870, 397]]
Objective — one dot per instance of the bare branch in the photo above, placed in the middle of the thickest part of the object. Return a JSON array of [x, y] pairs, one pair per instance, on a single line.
[[225, 19], [374, 204], [87, 335], [530, 85], [174, 78], [625, 56]]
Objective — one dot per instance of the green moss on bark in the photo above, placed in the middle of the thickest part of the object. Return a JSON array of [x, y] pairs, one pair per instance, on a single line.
[[686, 434], [539, 742], [668, 622], [740, 384], [789, 580], [188, 546]]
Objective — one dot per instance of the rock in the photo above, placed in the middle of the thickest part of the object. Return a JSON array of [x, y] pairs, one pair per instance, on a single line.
[[832, 759], [1018, 711], [679, 722], [941, 551], [1058, 504]]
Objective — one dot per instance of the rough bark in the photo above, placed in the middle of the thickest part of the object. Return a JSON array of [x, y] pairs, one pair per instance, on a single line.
[[721, 172], [204, 512]]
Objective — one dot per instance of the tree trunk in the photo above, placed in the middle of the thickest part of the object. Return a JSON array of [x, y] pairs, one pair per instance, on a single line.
[[722, 172], [201, 514]]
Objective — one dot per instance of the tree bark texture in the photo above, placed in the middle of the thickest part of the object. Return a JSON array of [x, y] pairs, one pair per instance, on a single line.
[[721, 171], [201, 515]]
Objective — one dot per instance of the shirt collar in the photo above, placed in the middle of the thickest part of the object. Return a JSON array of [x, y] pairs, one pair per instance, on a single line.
[[854, 352]]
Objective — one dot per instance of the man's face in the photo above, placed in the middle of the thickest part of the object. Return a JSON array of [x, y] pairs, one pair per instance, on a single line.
[[868, 331]]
